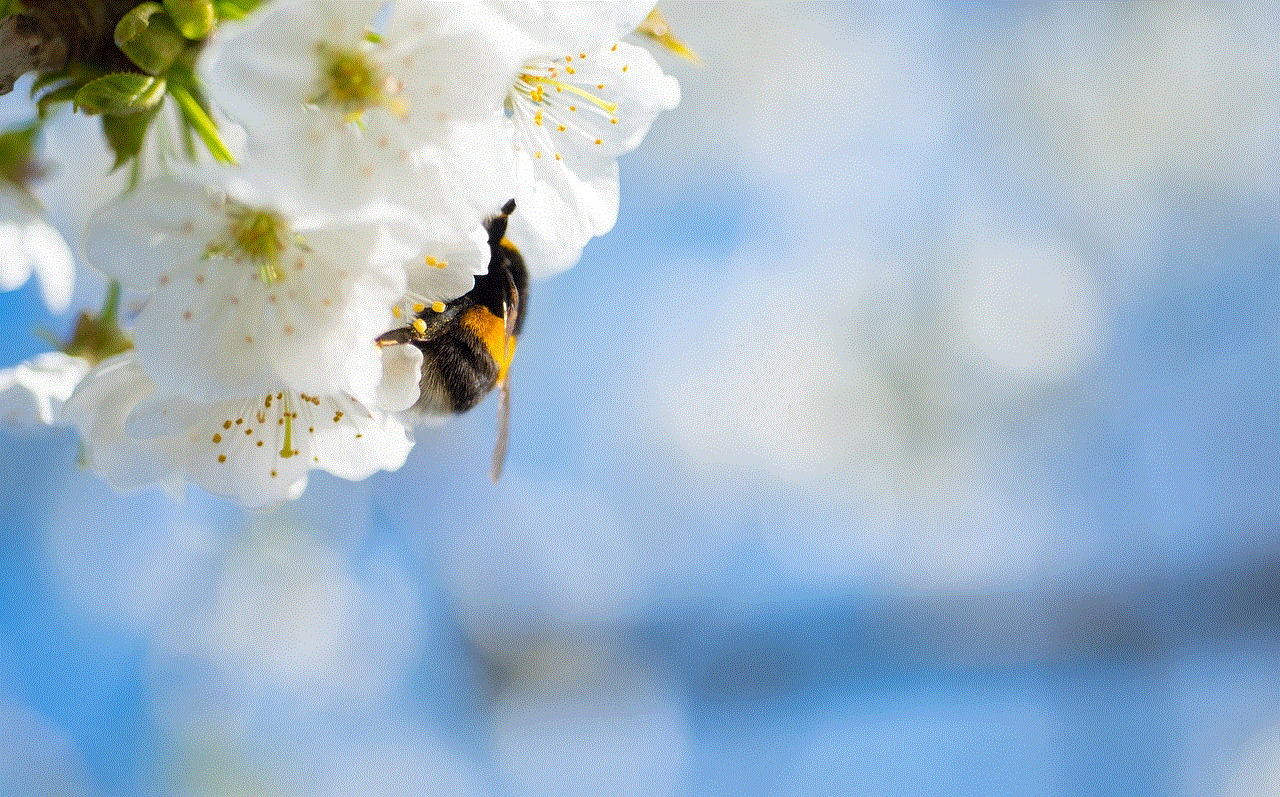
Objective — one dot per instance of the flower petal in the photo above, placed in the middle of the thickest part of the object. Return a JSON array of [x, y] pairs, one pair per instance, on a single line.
[[556, 216], [139, 237], [401, 371], [32, 393], [28, 243], [98, 409], [571, 27]]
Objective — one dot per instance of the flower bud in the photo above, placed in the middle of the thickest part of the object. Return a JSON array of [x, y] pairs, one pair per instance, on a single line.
[[121, 93], [194, 18], [149, 38]]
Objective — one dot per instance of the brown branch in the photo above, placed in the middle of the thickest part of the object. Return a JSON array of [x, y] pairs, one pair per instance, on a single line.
[[51, 33]]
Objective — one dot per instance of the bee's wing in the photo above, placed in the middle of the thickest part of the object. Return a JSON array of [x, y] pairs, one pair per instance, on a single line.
[[511, 308], [509, 311], [500, 445]]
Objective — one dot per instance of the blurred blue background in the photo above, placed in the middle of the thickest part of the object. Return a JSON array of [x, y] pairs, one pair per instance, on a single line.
[[915, 432]]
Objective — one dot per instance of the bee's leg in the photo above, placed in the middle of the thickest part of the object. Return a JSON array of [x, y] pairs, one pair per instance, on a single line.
[[398, 336]]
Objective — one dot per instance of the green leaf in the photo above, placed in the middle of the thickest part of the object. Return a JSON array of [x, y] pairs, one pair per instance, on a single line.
[[17, 147], [125, 134], [60, 94], [194, 18], [121, 93], [136, 21], [235, 9], [149, 38], [76, 73], [44, 80]]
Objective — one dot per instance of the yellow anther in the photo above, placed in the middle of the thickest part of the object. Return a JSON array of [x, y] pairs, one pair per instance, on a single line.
[[395, 311], [420, 326], [437, 306], [418, 307]]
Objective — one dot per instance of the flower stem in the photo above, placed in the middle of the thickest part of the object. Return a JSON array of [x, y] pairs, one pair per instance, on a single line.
[[111, 303], [201, 123]]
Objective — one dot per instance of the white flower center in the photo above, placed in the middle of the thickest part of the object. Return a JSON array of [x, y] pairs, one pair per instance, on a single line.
[[256, 235], [353, 82]]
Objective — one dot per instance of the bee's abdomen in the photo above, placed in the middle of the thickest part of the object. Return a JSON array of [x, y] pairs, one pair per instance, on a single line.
[[457, 372]]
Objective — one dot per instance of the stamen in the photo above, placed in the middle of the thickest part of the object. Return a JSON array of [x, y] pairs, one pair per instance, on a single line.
[[530, 84], [286, 450]]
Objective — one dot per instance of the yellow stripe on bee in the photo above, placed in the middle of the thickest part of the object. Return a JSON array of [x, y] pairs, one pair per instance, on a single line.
[[492, 332]]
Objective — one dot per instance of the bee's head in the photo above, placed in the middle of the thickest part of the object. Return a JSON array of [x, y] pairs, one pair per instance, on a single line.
[[497, 225]]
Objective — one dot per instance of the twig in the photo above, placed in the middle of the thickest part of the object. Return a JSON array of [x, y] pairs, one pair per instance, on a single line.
[[51, 33]]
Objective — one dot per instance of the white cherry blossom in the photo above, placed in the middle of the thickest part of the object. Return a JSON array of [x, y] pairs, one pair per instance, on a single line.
[[244, 297], [257, 450], [573, 109], [340, 114]]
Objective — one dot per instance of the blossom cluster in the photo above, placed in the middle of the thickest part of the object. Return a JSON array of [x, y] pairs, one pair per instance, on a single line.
[[374, 141]]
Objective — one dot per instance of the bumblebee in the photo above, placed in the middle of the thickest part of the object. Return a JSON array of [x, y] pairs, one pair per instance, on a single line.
[[467, 343]]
